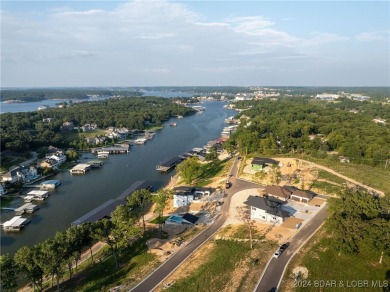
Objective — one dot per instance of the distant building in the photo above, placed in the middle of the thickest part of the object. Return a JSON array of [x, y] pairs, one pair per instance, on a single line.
[[327, 96], [67, 126], [379, 121], [259, 163]]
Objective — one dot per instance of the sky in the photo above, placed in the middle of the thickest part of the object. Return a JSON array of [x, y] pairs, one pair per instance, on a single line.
[[194, 43]]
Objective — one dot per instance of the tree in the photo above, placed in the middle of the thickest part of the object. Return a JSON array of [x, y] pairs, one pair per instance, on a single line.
[[101, 230], [189, 169], [9, 272], [55, 253], [138, 202], [244, 215], [124, 228], [30, 263], [72, 154], [212, 155], [352, 216], [161, 200], [275, 175]]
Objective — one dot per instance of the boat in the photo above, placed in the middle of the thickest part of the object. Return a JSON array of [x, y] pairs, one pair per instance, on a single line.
[[140, 141], [172, 124], [102, 156]]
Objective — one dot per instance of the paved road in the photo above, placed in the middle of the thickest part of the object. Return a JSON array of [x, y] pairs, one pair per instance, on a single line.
[[156, 277], [275, 269]]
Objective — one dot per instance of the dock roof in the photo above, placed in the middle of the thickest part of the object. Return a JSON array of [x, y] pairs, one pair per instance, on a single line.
[[39, 193], [138, 185], [103, 211], [171, 161], [15, 221]]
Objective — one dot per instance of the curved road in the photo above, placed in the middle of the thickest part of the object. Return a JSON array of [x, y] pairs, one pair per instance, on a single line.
[[170, 265]]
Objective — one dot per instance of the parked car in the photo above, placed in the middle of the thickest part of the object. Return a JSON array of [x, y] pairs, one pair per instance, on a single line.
[[281, 249]]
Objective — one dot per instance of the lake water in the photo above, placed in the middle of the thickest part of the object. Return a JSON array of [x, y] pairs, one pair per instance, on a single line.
[[78, 195], [33, 106]]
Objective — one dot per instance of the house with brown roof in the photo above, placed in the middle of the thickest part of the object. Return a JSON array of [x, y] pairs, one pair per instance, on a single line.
[[301, 196], [278, 192]]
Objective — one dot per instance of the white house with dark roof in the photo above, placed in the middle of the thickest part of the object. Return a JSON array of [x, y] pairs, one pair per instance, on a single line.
[[183, 195], [267, 210]]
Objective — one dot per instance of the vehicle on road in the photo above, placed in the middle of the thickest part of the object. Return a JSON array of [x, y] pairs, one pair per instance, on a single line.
[[228, 184], [281, 249]]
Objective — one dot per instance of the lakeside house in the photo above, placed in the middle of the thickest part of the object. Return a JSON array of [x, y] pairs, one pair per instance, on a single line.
[[185, 219], [183, 196], [265, 209], [54, 160], [23, 174]]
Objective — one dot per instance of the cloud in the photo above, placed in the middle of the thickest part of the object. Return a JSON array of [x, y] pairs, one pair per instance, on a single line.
[[323, 38], [370, 37], [152, 42]]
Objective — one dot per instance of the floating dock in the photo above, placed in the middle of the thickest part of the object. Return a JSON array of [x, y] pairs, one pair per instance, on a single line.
[[95, 163], [119, 149], [167, 165], [105, 210], [50, 184], [81, 168], [26, 208], [36, 196], [15, 224]]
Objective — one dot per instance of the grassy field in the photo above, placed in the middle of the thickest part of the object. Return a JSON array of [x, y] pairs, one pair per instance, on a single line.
[[325, 187], [376, 177], [229, 266], [212, 170], [324, 263]]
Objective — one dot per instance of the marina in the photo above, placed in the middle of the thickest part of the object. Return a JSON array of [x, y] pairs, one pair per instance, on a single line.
[[79, 195]]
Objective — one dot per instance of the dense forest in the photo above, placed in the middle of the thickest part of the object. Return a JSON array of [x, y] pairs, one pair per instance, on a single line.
[[315, 127], [29, 95], [28, 131]]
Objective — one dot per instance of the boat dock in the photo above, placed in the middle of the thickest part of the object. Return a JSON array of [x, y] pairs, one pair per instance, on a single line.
[[36, 196], [26, 208], [50, 184], [167, 165], [95, 163], [117, 149], [15, 224], [81, 168], [105, 210]]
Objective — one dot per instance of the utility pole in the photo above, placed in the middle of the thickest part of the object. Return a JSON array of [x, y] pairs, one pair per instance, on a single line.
[[387, 161]]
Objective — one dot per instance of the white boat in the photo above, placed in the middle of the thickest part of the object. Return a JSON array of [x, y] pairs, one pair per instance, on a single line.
[[140, 141], [102, 156]]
